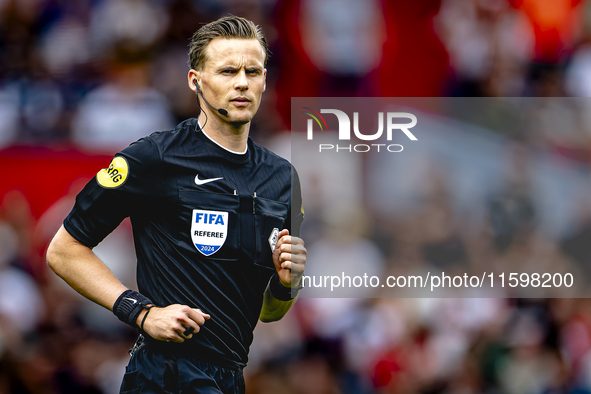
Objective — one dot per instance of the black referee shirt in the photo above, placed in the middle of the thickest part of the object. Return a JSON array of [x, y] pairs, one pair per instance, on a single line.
[[204, 221]]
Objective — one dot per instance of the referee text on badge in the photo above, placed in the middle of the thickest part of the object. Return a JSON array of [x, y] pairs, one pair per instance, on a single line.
[[209, 230]]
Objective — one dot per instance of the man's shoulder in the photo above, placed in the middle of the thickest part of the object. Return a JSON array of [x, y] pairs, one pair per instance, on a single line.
[[159, 142], [266, 156], [167, 137]]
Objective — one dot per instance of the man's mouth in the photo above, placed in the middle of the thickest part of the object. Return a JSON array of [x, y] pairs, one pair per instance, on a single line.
[[240, 101]]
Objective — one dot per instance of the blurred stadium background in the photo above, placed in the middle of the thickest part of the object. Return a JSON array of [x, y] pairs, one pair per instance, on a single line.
[[80, 80]]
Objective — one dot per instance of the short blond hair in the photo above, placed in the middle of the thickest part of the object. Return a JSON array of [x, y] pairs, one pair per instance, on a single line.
[[226, 27]]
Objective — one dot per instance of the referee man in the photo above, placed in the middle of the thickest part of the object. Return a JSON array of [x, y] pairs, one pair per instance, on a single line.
[[215, 222]]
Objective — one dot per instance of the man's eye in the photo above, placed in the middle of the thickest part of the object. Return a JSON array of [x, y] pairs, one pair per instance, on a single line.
[[228, 71], [253, 72]]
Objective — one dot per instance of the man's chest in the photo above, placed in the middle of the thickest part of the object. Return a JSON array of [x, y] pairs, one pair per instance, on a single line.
[[226, 212]]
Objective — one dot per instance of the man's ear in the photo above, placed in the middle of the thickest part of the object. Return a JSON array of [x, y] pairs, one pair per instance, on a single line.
[[265, 76], [194, 79]]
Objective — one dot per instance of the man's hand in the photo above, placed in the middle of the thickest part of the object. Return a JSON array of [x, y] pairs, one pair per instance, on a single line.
[[289, 258], [168, 324]]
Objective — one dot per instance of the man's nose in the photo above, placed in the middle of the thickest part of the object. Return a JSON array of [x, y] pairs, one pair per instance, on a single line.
[[241, 82]]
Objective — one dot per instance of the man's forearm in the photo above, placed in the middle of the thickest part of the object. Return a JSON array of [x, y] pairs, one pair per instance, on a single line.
[[83, 270], [274, 309], [89, 276]]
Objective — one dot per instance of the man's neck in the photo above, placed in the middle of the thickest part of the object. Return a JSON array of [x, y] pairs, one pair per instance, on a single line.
[[234, 139]]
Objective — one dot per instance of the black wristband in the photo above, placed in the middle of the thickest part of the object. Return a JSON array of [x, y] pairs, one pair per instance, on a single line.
[[129, 305], [281, 292]]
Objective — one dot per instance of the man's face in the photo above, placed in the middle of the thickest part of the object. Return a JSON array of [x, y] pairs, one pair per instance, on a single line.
[[233, 77]]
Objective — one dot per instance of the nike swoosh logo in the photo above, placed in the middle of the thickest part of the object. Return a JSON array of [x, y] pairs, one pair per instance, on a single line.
[[204, 181], [130, 299]]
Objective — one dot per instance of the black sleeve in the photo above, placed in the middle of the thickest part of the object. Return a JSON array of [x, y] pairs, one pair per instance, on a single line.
[[115, 193], [296, 207]]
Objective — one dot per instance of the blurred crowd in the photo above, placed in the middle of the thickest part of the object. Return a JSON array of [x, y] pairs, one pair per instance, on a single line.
[[468, 200], [102, 73], [95, 75]]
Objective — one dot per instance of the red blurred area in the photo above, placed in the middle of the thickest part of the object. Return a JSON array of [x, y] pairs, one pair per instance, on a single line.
[[44, 175], [414, 62], [555, 24]]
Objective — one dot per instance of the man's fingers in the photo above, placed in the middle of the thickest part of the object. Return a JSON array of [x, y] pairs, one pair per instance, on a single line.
[[284, 257], [198, 316], [187, 333], [289, 240], [174, 336], [285, 240], [178, 339], [295, 268], [285, 247], [175, 323], [186, 324], [292, 256], [293, 265], [292, 248], [296, 258], [281, 238], [205, 315], [292, 253], [195, 318]]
